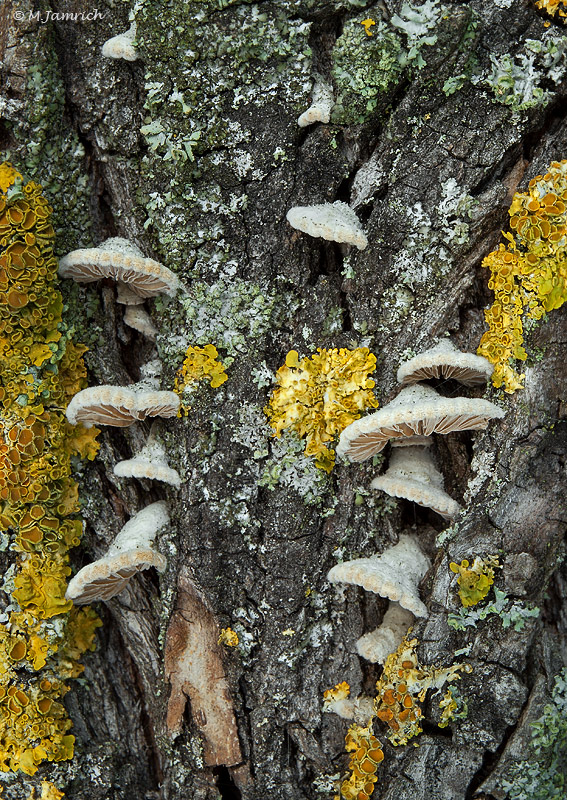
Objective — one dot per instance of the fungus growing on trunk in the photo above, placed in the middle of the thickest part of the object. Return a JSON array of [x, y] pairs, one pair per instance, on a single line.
[[119, 406], [337, 701], [122, 46], [138, 318], [377, 645], [412, 474], [322, 102], [445, 361], [395, 574], [335, 222], [417, 410], [194, 668], [122, 261], [130, 553], [150, 463]]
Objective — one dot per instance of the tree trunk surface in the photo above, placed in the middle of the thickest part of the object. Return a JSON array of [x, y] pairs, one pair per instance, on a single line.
[[194, 153]]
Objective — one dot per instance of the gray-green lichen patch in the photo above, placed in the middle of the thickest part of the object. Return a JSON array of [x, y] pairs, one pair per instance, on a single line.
[[542, 775], [206, 121], [365, 68], [372, 56], [45, 151], [523, 81]]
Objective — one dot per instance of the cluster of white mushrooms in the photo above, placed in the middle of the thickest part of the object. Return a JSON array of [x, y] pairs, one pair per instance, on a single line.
[[121, 406], [408, 423]]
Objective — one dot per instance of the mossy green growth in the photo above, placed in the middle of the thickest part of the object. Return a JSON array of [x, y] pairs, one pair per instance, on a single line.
[[365, 68], [543, 776]]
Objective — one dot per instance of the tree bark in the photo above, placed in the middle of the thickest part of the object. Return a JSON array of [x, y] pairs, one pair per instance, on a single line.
[[255, 527]]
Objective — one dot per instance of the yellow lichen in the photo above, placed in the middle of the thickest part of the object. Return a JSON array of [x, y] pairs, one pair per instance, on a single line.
[[228, 637], [201, 363], [40, 368], [474, 581], [403, 685], [367, 23], [553, 7], [48, 792], [366, 755], [528, 274], [318, 397]]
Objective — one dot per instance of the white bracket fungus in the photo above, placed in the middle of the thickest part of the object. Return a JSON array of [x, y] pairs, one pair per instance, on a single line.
[[417, 410], [122, 46], [119, 406], [322, 101], [377, 645], [335, 222], [412, 474], [130, 553], [151, 463], [194, 668], [138, 318], [445, 361], [122, 261], [395, 574]]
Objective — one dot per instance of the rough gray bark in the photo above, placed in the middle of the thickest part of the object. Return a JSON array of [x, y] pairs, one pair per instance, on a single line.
[[258, 554]]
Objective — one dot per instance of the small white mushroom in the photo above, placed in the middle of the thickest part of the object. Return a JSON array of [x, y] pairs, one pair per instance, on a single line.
[[322, 102], [395, 574], [412, 474], [417, 410], [445, 361], [138, 318], [122, 46], [130, 553], [119, 406], [377, 645], [150, 463], [335, 222], [122, 261]]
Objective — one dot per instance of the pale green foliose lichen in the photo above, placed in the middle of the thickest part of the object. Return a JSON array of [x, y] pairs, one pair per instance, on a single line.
[[512, 614], [543, 776], [522, 82]]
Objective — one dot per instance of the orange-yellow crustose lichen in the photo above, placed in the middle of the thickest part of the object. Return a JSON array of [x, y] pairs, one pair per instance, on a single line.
[[201, 363], [403, 685], [318, 397], [474, 580], [553, 7], [528, 274], [366, 755], [40, 369]]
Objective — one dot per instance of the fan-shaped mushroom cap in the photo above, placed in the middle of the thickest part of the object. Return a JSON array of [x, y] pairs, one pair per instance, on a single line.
[[445, 361], [102, 579], [130, 553], [417, 410], [138, 318], [122, 261], [335, 222], [321, 104], [119, 406], [122, 46], [412, 474], [395, 574], [377, 645], [151, 463]]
